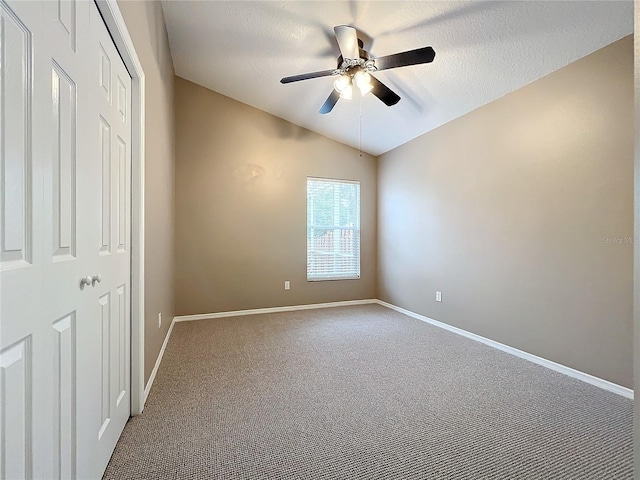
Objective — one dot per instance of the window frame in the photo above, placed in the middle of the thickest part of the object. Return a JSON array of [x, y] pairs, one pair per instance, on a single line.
[[336, 228]]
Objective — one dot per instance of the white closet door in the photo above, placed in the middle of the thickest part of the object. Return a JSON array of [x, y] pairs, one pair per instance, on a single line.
[[64, 216], [104, 355]]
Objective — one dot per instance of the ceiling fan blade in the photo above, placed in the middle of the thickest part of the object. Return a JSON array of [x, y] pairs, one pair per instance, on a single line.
[[306, 76], [347, 41], [330, 102], [412, 57], [384, 93]]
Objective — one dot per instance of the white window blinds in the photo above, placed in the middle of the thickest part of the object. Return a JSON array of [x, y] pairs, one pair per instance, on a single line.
[[333, 229]]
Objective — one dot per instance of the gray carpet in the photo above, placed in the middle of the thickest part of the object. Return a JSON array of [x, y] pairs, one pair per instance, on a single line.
[[364, 393]]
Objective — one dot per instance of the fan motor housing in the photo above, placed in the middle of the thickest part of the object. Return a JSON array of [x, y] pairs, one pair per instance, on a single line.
[[362, 52]]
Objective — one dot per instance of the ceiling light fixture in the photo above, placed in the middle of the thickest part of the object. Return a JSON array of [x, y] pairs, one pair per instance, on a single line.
[[346, 81], [347, 92], [363, 81], [343, 86]]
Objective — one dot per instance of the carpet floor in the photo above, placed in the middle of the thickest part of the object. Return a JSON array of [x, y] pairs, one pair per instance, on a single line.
[[364, 392]]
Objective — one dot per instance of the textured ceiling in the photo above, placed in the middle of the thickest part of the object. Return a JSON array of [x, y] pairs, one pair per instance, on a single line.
[[484, 50]]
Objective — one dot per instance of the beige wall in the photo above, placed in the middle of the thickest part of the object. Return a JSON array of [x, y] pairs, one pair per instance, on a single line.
[[241, 206], [505, 210], [145, 23]]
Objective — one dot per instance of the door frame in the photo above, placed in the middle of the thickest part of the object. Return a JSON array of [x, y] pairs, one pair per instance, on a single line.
[[120, 34]]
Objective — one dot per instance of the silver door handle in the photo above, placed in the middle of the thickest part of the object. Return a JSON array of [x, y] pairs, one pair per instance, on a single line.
[[85, 281], [96, 279]]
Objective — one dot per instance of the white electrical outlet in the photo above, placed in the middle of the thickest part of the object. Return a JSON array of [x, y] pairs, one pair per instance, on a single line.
[[438, 296], [287, 285], [159, 319]]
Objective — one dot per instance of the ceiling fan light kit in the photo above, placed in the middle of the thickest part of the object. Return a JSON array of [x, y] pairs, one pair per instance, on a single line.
[[357, 78], [355, 67]]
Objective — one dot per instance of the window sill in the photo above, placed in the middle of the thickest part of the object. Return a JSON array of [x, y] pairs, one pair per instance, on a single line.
[[325, 279]]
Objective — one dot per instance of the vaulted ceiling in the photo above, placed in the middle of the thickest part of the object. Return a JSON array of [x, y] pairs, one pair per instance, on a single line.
[[484, 50]]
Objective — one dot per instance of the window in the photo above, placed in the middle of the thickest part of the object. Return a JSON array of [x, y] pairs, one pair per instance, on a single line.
[[333, 229]]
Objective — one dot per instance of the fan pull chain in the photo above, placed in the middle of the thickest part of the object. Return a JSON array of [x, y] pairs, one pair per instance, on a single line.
[[360, 125]]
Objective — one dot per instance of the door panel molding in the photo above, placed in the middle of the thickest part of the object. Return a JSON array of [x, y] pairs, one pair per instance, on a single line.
[[63, 99], [17, 417], [105, 147], [15, 138], [64, 376], [67, 20], [105, 362]]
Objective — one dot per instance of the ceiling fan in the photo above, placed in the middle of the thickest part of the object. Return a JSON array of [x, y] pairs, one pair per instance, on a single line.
[[355, 66]]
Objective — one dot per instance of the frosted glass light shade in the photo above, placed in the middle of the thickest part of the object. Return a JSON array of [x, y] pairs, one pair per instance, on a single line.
[[342, 82], [347, 92], [362, 81]]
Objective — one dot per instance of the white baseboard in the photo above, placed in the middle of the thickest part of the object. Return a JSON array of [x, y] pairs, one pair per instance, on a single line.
[[585, 377], [152, 377], [257, 311]]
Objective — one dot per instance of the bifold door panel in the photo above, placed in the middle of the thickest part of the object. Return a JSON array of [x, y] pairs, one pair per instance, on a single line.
[[65, 204]]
